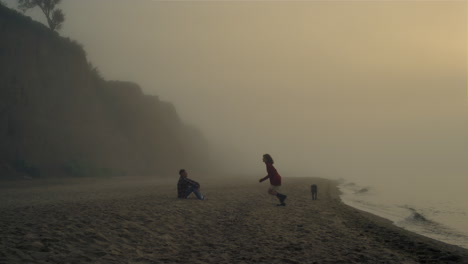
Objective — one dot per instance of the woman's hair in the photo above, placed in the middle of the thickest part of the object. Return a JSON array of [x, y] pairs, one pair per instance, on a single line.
[[268, 158], [181, 171]]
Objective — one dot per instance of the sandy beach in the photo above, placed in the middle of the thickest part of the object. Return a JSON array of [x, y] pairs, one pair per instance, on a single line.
[[140, 220]]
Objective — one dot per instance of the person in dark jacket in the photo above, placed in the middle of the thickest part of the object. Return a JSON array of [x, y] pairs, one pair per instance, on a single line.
[[186, 186], [275, 179]]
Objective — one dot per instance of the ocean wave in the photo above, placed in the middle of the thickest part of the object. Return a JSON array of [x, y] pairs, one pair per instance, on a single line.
[[362, 190], [416, 216], [421, 224], [351, 187], [429, 219]]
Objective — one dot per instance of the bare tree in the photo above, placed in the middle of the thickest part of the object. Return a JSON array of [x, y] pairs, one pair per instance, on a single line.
[[55, 16]]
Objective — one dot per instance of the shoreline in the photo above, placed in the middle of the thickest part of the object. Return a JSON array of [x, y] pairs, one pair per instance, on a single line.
[[140, 220], [406, 217]]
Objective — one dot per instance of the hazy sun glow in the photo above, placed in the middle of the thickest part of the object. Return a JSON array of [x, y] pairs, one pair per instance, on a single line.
[[337, 87]]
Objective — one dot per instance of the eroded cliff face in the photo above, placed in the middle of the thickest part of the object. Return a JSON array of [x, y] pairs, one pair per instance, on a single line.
[[59, 117]]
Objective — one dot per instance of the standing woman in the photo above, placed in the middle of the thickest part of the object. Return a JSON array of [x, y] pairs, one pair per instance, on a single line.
[[275, 179]]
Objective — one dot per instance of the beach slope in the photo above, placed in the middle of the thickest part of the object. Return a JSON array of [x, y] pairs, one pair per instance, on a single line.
[[140, 221]]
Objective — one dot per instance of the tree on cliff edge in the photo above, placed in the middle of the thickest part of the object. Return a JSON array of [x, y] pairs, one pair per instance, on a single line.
[[55, 16]]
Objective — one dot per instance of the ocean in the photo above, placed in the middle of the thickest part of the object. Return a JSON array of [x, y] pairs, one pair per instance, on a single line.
[[437, 212]]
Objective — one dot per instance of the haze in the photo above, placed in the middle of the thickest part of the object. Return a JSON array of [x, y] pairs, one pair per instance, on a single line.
[[351, 89]]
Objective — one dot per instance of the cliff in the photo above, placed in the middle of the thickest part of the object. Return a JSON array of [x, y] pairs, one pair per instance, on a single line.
[[59, 117]]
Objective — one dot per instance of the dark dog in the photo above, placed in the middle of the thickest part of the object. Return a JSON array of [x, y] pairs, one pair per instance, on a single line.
[[313, 190]]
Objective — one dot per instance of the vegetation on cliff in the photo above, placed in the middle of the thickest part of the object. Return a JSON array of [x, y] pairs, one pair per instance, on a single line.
[[53, 14]]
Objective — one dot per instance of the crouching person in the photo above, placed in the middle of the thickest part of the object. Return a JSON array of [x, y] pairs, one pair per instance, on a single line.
[[186, 186]]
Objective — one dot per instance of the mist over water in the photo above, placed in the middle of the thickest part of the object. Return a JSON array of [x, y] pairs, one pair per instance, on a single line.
[[371, 92]]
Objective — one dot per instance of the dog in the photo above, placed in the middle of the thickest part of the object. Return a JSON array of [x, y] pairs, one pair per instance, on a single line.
[[313, 190]]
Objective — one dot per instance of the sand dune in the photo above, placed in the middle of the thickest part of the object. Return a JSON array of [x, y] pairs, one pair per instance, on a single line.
[[141, 221]]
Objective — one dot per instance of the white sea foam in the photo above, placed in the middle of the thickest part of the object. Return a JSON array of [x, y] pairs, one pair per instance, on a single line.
[[444, 219]]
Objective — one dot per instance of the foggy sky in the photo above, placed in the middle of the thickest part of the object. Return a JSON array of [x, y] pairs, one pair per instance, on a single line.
[[346, 89]]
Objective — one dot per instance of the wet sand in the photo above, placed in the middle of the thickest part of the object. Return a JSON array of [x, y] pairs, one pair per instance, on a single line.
[[140, 221]]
